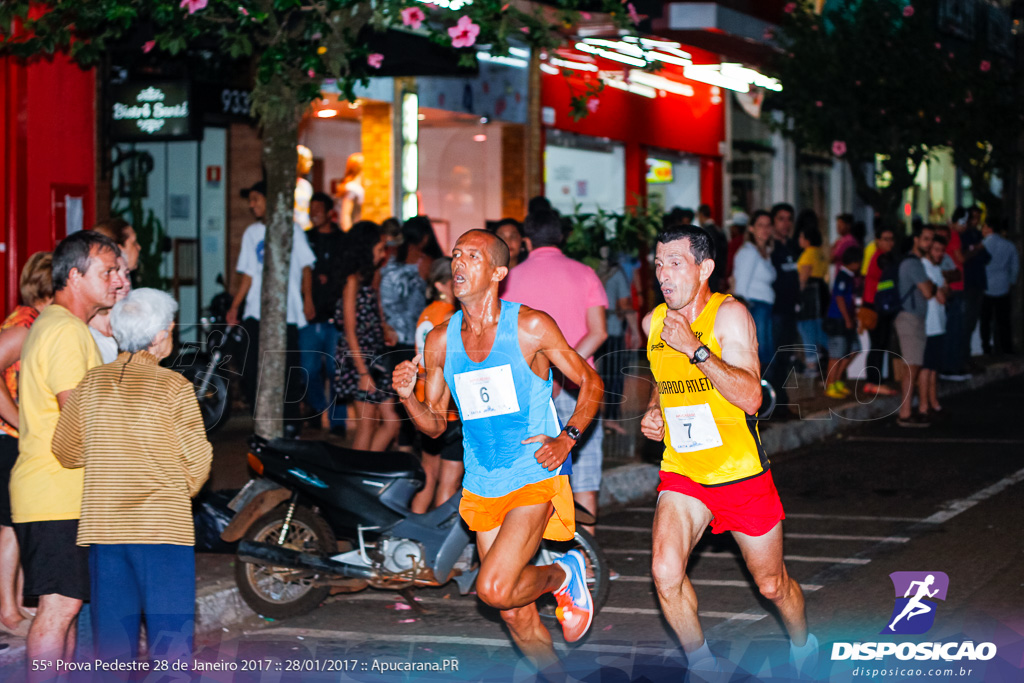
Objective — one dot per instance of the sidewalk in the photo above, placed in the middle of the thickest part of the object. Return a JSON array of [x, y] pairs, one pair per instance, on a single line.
[[630, 475]]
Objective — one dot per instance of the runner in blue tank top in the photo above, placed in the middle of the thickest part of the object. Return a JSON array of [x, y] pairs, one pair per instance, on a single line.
[[495, 358]]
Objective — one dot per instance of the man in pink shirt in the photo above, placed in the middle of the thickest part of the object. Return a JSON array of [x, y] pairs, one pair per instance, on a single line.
[[572, 294]]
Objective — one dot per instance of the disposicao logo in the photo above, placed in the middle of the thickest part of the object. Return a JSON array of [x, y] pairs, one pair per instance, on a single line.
[[916, 593], [914, 613]]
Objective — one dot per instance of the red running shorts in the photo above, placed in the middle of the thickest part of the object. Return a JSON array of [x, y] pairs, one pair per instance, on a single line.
[[751, 506]]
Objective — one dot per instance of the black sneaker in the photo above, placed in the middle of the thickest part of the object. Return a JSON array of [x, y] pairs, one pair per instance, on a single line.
[[915, 421]]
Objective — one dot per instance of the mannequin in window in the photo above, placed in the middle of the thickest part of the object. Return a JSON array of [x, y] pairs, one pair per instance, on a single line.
[[303, 188], [351, 192]]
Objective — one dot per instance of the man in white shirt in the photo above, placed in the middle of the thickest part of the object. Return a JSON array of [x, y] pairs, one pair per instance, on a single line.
[[299, 297], [1001, 275]]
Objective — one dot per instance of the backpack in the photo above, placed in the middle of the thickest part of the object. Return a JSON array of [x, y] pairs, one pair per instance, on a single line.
[[887, 298]]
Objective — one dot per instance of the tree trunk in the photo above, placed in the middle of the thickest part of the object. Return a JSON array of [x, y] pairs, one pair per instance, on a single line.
[[280, 134], [534, 130]]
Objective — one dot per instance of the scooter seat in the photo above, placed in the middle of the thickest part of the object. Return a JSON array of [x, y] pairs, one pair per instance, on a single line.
[[327, 456]]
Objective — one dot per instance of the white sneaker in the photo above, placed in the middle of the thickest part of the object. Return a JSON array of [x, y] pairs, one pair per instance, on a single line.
[[805, 658]]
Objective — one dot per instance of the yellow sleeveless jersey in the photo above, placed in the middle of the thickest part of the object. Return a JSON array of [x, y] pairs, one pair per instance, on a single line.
[[707, 438]]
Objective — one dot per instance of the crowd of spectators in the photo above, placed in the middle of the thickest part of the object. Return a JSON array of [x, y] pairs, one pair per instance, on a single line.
[[101, 452], [917, 302]]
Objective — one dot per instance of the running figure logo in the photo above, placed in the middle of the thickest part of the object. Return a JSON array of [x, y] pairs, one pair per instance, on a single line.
[[916, 593]]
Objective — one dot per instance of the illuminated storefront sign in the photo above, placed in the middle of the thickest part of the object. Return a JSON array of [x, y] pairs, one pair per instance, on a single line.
[[150, 111]]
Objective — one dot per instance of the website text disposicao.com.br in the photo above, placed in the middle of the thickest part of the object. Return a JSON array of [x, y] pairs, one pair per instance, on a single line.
[[953, 653], [908, 672]]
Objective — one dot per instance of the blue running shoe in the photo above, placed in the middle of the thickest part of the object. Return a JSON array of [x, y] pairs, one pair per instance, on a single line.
[[575, 608]]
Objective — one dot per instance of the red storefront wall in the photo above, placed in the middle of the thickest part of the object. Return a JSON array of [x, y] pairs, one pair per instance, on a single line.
[[694, 125], [47, 152]]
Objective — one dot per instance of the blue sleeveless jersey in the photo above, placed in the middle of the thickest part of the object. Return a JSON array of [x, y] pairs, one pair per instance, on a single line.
[[501, 402]]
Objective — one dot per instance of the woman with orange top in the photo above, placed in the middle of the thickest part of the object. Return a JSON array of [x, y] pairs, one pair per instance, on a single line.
[[36, 287], [442, 457]]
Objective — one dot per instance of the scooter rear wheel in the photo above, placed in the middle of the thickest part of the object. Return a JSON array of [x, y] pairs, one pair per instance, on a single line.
[[280, 592]]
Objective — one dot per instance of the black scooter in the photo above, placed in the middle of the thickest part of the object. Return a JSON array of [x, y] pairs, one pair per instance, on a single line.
[[321, 518], [209, 364]]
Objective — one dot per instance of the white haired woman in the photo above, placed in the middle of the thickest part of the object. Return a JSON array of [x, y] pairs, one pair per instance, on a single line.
[[137, 430]]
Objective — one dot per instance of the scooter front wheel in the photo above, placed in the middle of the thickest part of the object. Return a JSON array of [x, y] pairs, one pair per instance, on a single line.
[[279, 592]]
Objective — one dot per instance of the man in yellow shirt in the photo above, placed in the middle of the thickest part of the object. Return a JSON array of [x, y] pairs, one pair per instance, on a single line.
[[714, 471], [45, 497]]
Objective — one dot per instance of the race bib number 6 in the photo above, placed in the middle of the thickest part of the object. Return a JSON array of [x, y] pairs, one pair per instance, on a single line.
[[488, 392], [692, 428]]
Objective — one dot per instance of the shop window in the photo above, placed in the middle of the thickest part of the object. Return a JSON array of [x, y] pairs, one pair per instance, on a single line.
[[675, 180], [584, 174]]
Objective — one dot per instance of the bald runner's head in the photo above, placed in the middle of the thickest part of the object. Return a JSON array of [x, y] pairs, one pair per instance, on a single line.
[[479, 262], [496, 247]]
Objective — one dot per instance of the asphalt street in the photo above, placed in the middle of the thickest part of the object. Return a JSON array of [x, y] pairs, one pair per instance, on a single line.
[[876, 500]]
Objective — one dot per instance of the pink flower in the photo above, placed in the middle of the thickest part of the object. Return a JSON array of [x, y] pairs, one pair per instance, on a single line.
[[633, 16], [586, 16], [819, 104], [938, 46], [413, 17], [311, 73], [985, 65], [244, 12], [524, 29], [908, 11], [839, 148], [969, 98], [938, 119], [504, 8], [592, 105], [148, 46], [193, 5], [464, 32], [375, 59], [789, 8], [768, 34]]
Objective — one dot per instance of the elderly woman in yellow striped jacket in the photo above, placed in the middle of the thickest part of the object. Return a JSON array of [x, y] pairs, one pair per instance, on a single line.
[[137, 430]]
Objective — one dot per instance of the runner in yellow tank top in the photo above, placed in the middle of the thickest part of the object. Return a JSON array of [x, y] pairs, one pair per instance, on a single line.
[[703, 353], [713, 443]]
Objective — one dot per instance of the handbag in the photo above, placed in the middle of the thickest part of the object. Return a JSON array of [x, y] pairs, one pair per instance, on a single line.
[[867, 318], [813, 300]]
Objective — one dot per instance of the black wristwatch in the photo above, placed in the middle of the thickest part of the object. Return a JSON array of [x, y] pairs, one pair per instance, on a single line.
[[572, 433], [700, 355]]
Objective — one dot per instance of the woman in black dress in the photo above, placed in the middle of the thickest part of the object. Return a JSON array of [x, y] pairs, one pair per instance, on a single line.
[[362, 373]]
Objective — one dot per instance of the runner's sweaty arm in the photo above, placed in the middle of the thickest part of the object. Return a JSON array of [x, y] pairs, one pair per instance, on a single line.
[[431, 415], [736, 374], [543, 346]]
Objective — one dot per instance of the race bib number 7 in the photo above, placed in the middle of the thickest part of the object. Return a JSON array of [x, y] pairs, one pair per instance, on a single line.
[[692, 428], [488, 392]]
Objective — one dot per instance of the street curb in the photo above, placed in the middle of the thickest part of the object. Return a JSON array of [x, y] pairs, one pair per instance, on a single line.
[[220, 606], [634, 482]]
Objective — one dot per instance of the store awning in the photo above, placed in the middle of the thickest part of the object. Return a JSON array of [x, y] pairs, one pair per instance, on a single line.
[[735, 35]]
